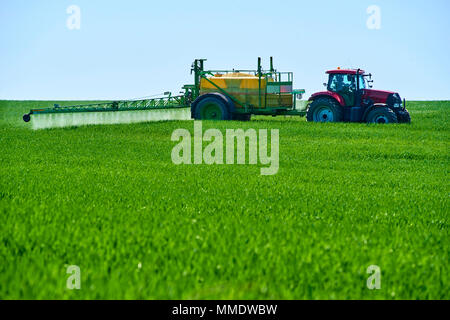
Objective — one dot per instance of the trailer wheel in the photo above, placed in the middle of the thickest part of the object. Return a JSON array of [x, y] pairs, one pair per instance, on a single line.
[[242, 116], [403, 116], [382, 115], [211, 108], [324, 110], [26, 117]]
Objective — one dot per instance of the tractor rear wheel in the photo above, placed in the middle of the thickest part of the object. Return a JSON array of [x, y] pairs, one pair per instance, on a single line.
[[324, 110], [403, 116], [382, 115], [212, 108]]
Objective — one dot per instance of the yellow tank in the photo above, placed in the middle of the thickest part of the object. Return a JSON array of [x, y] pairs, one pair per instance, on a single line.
[[245, 87]]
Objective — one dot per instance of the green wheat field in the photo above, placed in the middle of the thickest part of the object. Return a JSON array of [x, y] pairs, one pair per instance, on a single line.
[[109, 200]]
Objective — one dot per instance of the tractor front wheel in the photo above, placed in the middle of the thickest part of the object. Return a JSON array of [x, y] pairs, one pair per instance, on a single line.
[[324, 110], [382, 115], [211, 108], [403, 116]]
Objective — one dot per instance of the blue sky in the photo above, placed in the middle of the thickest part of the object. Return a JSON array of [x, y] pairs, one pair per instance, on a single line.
[[135, 48]]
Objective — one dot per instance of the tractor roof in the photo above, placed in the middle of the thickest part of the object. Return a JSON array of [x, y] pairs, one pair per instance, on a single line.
[[345, 71]]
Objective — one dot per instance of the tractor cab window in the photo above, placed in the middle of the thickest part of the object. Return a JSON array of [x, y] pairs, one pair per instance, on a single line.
[[362, 82], [342, 83]]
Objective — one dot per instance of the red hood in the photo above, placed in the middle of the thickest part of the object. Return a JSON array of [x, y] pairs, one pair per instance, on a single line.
[[377, 96]]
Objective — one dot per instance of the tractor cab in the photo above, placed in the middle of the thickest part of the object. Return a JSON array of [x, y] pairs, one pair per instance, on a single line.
[[348, 84]]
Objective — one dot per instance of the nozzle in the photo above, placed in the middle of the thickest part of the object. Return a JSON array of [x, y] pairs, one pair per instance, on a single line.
[[26, 117]]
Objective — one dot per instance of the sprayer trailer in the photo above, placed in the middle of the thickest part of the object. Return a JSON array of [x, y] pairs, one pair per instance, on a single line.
[[215, 95], [239, 94]]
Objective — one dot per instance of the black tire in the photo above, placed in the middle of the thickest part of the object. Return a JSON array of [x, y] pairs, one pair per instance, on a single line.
[[26, 117], [381, 115], [324, 110], [212, 108], [403, 116], [242, 116]]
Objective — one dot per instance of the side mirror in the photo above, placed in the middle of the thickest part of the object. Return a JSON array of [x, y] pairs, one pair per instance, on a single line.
[[325, 85]]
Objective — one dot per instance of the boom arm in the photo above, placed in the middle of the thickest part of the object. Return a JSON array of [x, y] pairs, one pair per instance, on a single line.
[[169, 102]]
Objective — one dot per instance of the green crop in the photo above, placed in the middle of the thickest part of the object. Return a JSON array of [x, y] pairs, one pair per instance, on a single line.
[[109, 200]]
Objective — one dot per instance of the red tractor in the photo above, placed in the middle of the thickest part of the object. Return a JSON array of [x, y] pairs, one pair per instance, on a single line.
[[349, 97]]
